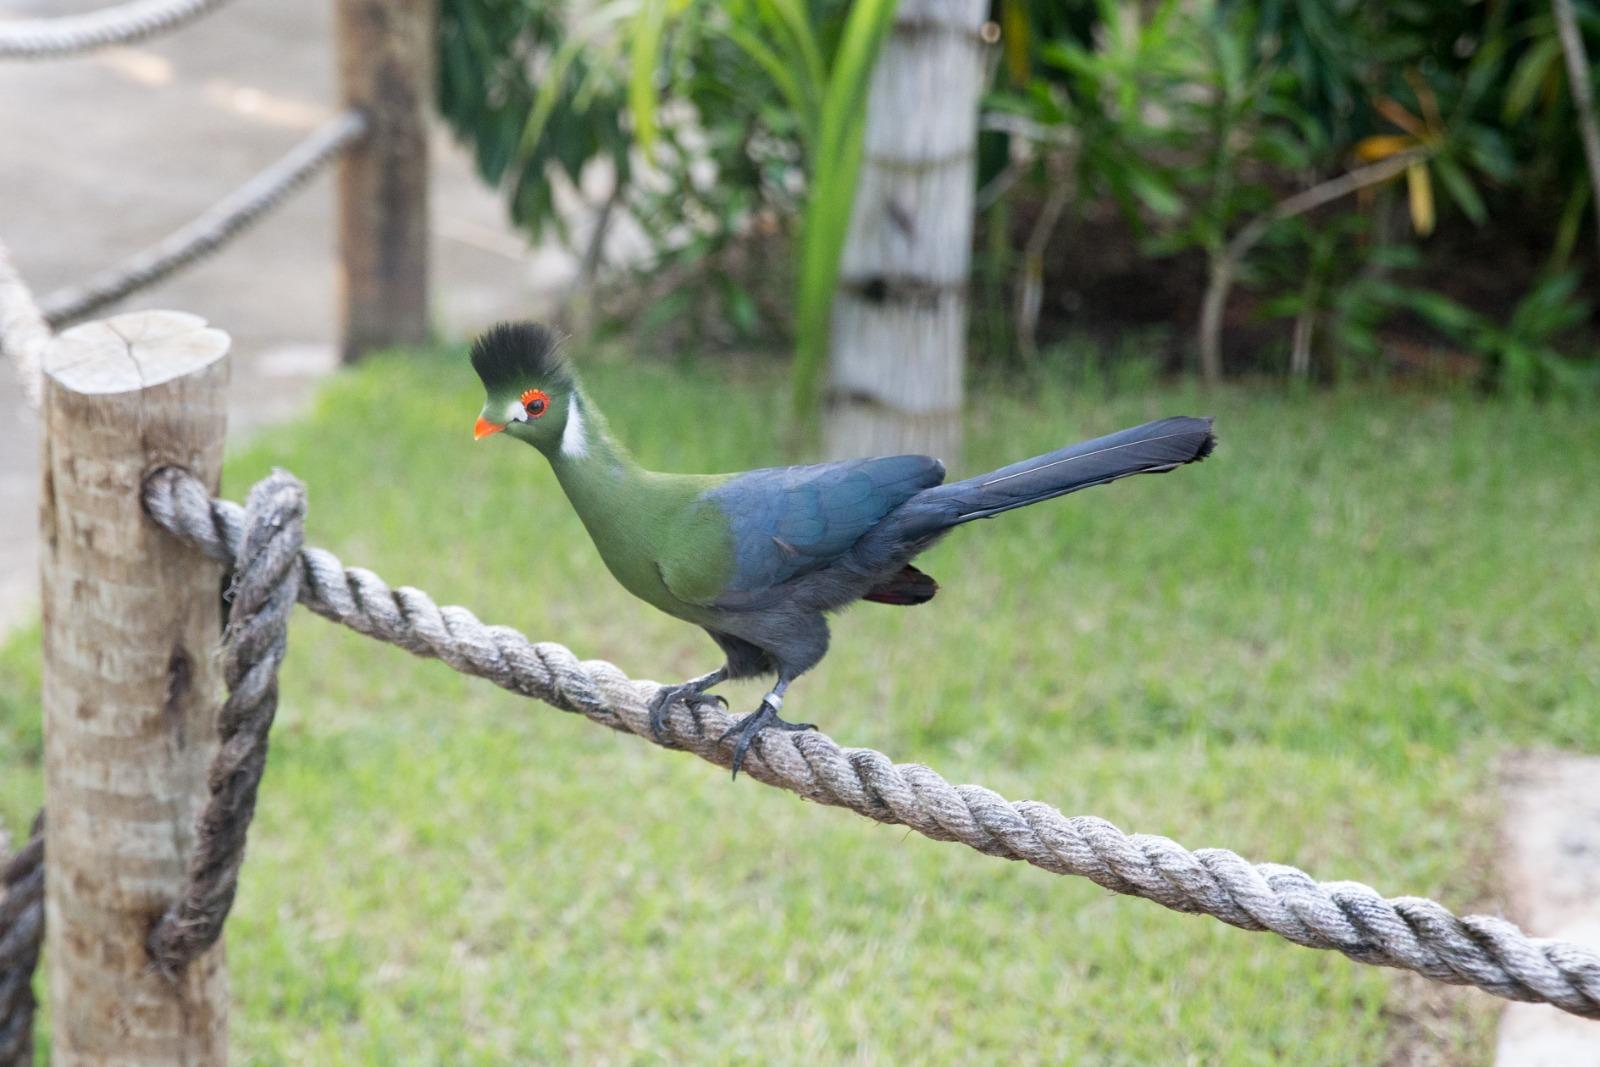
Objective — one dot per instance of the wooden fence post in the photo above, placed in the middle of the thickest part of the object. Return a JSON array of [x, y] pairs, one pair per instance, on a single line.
[[386, 70], [131, 685]]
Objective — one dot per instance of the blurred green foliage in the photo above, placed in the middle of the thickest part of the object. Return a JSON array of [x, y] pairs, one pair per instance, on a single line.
[[1195, 120], [710, 115], [533, 111], [1190, 122]]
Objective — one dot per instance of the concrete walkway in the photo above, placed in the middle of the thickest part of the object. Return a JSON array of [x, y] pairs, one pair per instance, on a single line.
[[109, 152], [1551, 866]]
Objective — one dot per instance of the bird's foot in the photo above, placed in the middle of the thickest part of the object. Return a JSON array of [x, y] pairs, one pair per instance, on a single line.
[[693, 694], [763, 718]]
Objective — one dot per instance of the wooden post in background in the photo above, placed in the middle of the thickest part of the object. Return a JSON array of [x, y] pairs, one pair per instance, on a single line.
[[386, 70], [899, 333], [131, 686]]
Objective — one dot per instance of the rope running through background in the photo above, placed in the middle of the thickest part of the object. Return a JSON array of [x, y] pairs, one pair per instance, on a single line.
[[1407, 932], [266, 583], [225, 219], [68, 35], [23, 330]]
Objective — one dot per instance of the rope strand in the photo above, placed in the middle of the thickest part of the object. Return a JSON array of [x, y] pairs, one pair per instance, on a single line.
[[266, 582], [1406, 932], [68, 35], [212, 229], [23, 331], [21, 939]]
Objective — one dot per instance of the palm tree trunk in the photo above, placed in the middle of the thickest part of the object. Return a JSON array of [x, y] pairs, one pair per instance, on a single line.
[[900, 313]]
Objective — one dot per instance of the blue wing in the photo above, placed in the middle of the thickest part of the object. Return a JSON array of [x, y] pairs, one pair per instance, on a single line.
[[788, 521]]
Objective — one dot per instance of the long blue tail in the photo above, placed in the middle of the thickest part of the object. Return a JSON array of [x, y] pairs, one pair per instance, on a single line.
[[1153, 448]]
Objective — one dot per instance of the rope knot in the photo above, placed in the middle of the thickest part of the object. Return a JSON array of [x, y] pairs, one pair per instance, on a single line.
[[264, 588]]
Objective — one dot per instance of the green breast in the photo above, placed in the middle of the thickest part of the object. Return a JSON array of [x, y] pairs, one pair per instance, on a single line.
[[657, 536]]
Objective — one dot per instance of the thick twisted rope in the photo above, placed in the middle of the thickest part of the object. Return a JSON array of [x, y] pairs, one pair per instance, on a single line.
[[21, 937], [1407, 932], [207, 233], [266, 582], [23, 337], [68, 35], [23, 331]]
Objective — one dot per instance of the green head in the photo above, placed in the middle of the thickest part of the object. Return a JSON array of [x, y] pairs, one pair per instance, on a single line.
[[530, 390]]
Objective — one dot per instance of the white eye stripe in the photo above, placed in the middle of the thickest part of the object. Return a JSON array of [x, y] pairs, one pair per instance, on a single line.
[[574, 442]]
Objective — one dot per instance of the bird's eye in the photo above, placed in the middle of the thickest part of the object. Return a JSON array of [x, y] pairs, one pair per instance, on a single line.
[[536, 402]]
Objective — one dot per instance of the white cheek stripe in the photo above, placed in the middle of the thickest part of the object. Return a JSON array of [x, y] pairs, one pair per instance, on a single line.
[[574, 442], [515, 413]]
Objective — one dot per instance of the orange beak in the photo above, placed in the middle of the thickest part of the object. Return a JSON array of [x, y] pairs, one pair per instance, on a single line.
[[483, 428]]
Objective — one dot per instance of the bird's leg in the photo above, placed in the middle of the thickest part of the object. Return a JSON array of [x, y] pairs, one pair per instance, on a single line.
[[746, 729], [694, 691]]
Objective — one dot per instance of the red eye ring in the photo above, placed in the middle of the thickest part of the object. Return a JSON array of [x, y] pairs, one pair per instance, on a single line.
[[535, 402]]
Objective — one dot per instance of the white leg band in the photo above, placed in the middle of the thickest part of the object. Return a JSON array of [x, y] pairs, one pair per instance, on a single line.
[[774, 700]]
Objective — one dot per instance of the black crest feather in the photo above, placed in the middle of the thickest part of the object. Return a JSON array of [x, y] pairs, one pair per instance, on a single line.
[[516, 354]]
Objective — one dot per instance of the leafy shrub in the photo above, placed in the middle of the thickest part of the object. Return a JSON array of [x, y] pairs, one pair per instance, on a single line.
[[1328, 156]]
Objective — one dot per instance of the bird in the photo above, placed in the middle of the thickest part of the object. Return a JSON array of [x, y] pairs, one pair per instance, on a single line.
[[759, 559]]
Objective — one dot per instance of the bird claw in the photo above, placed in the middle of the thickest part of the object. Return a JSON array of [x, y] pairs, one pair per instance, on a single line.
[[668, 695], [745, 730]]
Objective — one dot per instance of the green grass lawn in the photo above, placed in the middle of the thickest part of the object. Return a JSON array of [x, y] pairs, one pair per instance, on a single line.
[[1308, 649]]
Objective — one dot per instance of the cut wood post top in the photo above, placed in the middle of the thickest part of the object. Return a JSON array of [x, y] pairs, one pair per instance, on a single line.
[[133, 351]]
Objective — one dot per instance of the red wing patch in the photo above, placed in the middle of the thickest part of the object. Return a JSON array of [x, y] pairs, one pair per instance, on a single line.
[[908, 587]]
